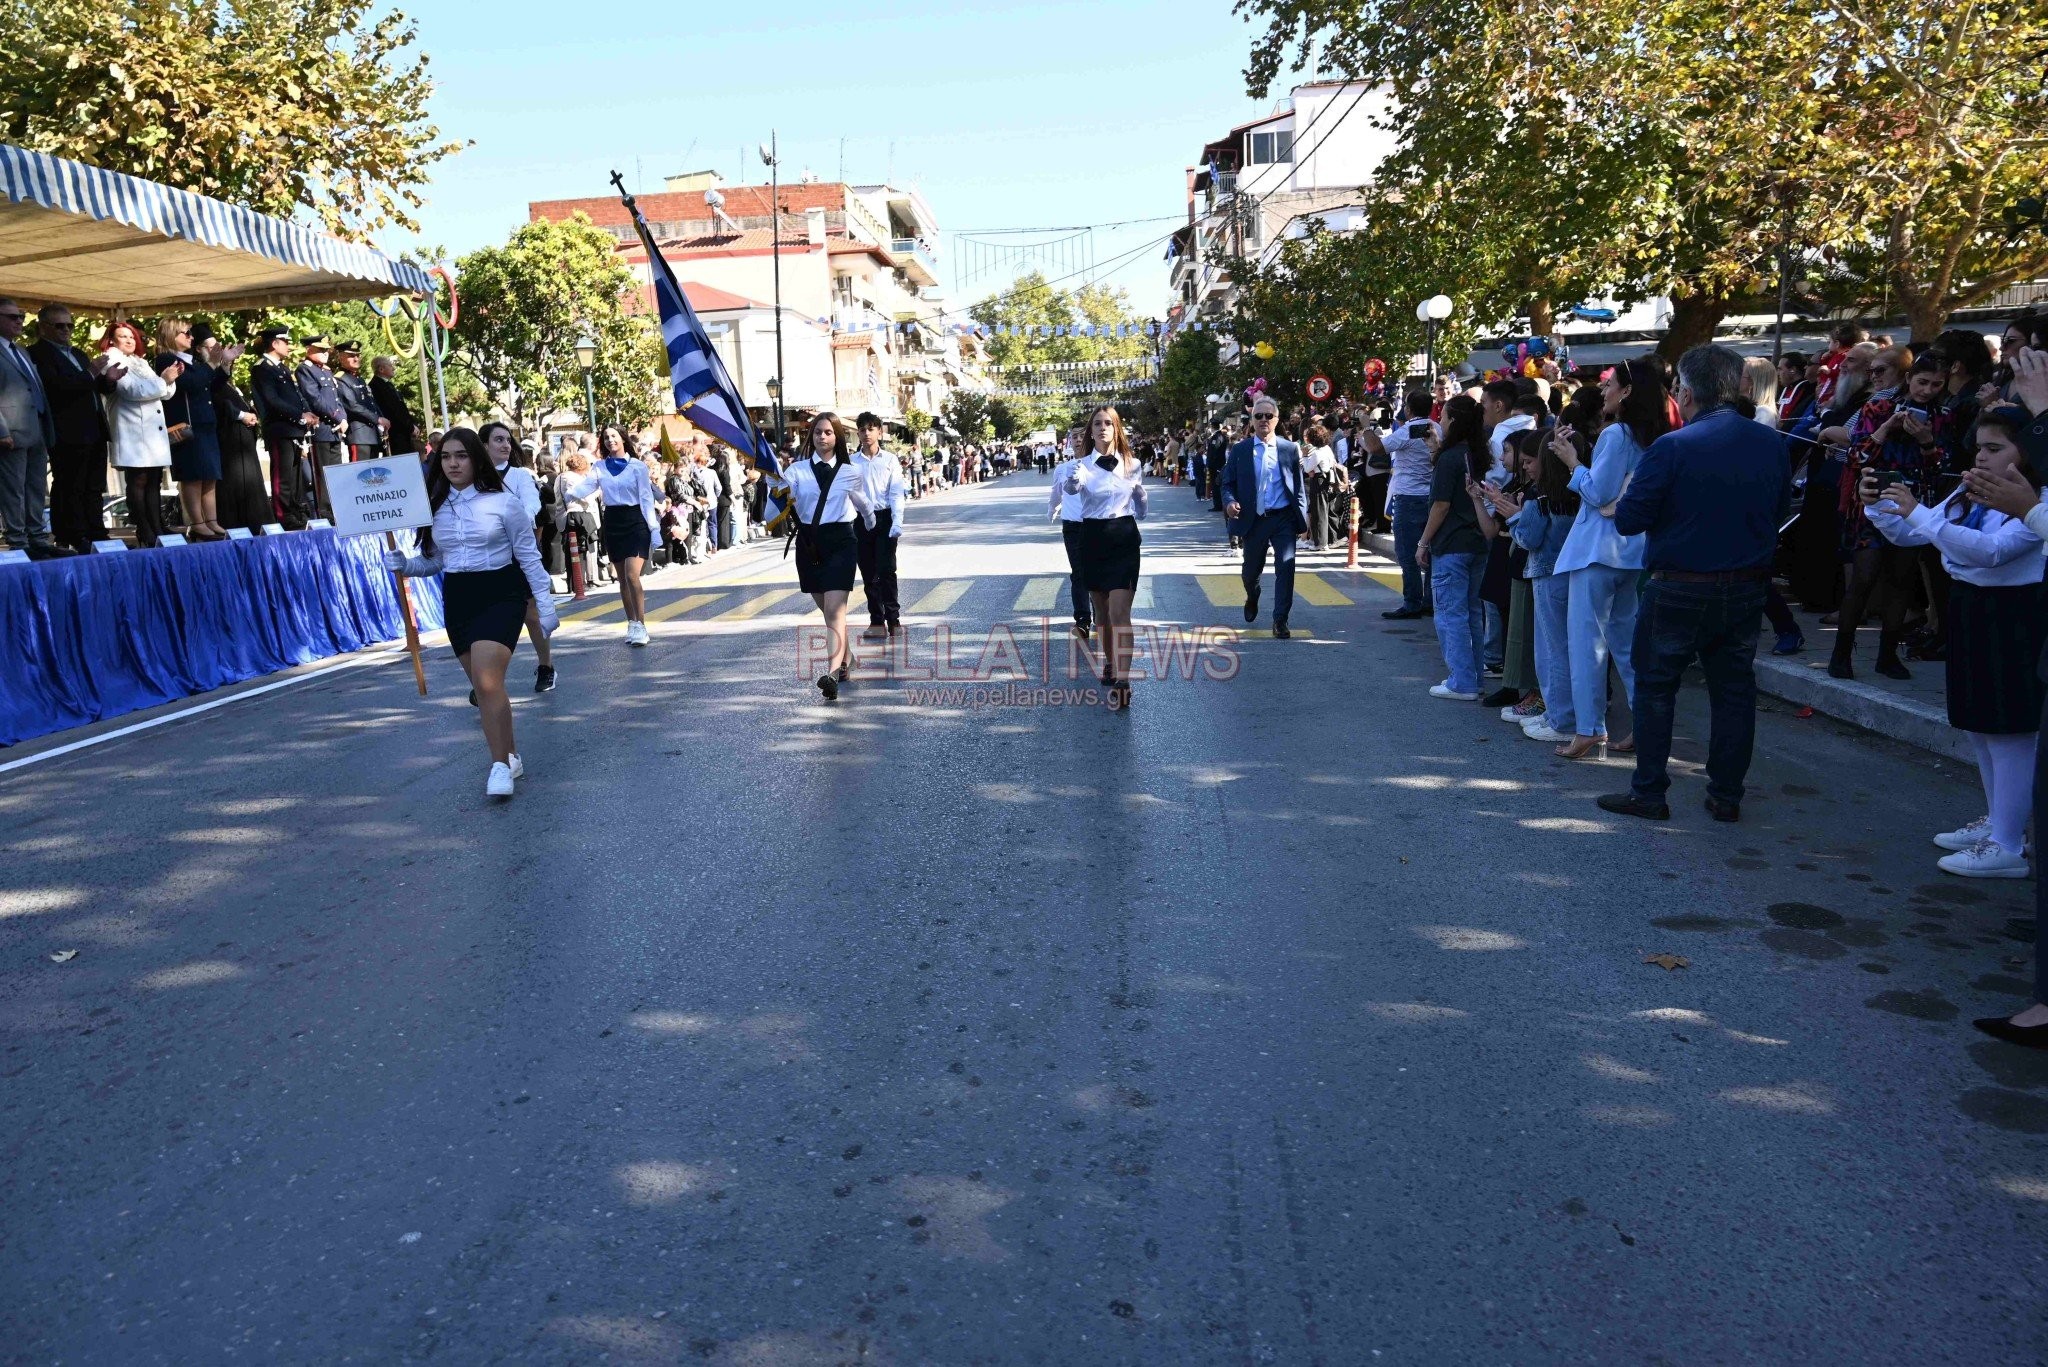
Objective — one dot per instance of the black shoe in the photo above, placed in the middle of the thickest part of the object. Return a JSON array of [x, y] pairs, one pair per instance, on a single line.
[[1723, 811], [1251, 604], [842, 674], [895, 628], [1403, 614], [49, 550], [1628, 804], [1501, 697], [2026, 1036], [1496, 671], [1281, 633], [1889, 666], [544, 679], [1108, 679], [1081, 629], [472, 697], [829, 686], [1839, 667]]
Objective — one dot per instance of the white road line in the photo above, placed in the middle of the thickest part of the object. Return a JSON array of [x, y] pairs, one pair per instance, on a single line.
[[375, 657]]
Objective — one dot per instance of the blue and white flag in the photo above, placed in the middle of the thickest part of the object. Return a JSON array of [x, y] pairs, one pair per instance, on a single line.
[[705, 393]]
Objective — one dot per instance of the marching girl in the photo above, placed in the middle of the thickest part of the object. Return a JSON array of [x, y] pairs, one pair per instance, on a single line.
[[825, 496], [1067, 508], [482, 545], [630, 521], [1111, 484], [1995, 631]]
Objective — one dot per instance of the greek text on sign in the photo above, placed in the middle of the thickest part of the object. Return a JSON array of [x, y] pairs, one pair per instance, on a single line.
[[378, 495]]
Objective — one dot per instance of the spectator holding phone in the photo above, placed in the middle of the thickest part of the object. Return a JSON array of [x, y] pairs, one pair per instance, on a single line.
[[1995, 636], [1897, 443], [1410, 449]]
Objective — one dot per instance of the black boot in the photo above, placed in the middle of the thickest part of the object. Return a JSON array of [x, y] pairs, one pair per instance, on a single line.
[[1888, 663]]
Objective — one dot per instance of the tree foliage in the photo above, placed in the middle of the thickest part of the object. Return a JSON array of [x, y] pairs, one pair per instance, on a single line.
[[1189, 372], [1031, 301], [967, 412], [274, 105]]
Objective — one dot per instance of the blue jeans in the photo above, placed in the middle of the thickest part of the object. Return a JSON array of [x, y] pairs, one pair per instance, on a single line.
[[1411, 515], [1276, 530], [1603, 622], [1494, 640], [1460, 630], [1717, 624], [1553, 649]]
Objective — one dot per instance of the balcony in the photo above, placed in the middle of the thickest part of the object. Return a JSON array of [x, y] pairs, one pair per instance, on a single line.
[[916, 259]]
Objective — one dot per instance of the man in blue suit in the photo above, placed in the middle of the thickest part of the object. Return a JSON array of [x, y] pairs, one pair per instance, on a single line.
[[1266, 504]]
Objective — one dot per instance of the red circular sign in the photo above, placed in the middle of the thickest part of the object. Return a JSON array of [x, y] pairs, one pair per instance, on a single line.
[[1319, 387]]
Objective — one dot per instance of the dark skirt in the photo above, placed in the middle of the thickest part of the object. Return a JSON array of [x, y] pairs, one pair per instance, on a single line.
[[625, 534], [243, 499], [1108, 554], [488, 605], [196, 457], [1994, 653], [826, 557]]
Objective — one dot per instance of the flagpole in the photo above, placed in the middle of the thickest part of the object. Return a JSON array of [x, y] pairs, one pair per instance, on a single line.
[[775, 251]]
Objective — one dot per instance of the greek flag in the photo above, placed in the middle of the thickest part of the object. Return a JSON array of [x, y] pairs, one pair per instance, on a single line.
[[705, 394]]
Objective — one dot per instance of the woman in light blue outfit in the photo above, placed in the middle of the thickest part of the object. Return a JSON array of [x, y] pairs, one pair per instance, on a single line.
[[1603, 566], [1540, 527]]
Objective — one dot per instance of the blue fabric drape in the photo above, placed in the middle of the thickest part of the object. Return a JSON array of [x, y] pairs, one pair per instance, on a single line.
[[95, 636]]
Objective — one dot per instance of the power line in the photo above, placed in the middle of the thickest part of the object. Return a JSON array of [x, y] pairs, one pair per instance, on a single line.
[[1064, 227]]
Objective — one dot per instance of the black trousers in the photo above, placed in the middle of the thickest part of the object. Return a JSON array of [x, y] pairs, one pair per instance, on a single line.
[[326, 453], [1717, 624], [290, 499], [145, 489], [1077, 583], [78, 486], [876, 552]]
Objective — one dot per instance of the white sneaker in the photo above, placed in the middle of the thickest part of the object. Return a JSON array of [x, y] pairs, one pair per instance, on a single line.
[[499, 784], [1444, 690], [517, 766], [1508, 713], [636, 634], [1536, 728], [1985, 859], [1962, 837]]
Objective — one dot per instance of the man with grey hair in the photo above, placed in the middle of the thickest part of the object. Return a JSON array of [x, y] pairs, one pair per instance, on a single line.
[[1711, 497]]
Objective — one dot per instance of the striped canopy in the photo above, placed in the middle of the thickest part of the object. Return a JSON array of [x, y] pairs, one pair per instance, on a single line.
[[101, 240]]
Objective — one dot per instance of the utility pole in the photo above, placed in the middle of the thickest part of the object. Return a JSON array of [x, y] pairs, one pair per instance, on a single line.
[[771, 155]]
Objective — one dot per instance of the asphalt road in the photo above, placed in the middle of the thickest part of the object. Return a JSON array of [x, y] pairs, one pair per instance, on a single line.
[[1294, 1017]]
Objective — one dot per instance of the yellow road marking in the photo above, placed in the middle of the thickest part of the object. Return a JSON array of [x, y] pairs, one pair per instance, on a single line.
[[585, 614], [942, 596], [1039, 595], [1319, 591], [682, 605], [754, 607], [1224, 590]]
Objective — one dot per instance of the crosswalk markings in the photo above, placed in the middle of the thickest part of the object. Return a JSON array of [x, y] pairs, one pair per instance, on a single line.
[[601, 610], [754, 607], [1039, 595], [1224, 590], [1142, 599], [1313, 588], [681, 606], [942, 596]]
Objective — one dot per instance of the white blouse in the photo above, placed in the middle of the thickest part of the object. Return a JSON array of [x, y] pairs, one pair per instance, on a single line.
[[1983, 547], [621, 488], [846, 500], [1065, 505], [882, 481], [1107, 493], [477, 532], [519, 483]]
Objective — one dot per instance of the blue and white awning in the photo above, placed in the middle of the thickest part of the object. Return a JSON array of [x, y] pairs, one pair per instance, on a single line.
[[101, 240]]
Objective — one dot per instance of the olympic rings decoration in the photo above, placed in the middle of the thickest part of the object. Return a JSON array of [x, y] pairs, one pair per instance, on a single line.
[[418, 336], [454, 301]]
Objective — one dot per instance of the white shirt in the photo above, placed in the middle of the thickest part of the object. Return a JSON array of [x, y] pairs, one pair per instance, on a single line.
[[845, 501], [1067, 505], [621, 488], [1107, 494], [1497, 443], [519, 483], [1996, 553], [881, 477], [475, 532], [1413, 462]]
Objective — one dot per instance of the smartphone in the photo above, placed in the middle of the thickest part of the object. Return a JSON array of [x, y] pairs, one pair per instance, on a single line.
[[1918, 415], [1106, 462], [1417, 431]]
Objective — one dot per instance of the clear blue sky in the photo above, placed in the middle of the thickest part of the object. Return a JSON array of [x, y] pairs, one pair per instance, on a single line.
[[1003, 115]]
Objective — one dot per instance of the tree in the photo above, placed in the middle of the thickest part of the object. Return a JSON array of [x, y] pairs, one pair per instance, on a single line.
[[1188, 374], [1002, 419], [967, 411], [525, 304], [917, 422], [273, 105], [1101, 330]]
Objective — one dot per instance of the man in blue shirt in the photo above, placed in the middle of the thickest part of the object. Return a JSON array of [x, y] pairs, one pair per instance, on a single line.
[[1712, 496], [1266, 504]]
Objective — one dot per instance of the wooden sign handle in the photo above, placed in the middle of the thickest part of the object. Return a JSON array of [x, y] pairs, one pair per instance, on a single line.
[[412, 627]]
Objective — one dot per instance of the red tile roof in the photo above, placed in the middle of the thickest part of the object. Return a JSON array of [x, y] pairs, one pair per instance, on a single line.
[[735, 244], [709, 298], [741, 201]]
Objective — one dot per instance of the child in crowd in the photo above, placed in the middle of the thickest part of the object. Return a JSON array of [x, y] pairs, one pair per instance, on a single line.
[[1540, 526], [1995, 631]]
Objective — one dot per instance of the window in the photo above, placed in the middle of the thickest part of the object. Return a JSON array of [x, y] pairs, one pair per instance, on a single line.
[[1271, 147]]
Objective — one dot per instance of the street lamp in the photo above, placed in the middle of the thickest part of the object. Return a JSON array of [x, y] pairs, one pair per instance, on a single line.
[[586, 356], [768, 155], [1429, 313]]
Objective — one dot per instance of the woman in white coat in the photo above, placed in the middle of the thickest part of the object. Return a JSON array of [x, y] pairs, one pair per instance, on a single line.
[[140, 439]]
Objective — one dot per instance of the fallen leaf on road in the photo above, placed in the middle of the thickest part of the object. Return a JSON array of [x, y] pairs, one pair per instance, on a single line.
[[63, 956], [1803, 713], [412, 1238], [1404, 859], [1669, 962]]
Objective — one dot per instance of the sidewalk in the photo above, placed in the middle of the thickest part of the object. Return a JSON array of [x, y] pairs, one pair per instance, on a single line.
[[1913, 712]]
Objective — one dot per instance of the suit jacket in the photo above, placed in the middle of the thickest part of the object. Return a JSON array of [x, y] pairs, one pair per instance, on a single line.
[[404, 436], [278, 399], [74, 394], [316, 382], [362, 410], [24, 410], [1241, 484]]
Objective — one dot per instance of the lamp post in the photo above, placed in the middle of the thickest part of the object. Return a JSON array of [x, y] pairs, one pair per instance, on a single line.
[[1429, 313], [768, 155], [586, 356]]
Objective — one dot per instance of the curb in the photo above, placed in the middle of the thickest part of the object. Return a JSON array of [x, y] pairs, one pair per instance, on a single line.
[[1860, 705]]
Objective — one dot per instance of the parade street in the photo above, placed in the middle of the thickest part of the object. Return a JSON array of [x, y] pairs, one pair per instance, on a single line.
[[1293, 1016]]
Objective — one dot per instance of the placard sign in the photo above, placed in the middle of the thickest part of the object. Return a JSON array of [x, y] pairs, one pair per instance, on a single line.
[[109, 547], [240, 534], [171, 539], [378, 495], [13, 557], [273, 529]]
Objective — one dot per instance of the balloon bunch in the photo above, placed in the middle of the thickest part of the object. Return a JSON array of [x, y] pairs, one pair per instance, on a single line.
[[1253, 390]]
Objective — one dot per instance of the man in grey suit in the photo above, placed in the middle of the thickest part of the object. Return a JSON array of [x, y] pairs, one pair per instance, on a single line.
[[26, 431], [330, 425], [1266, 504]]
